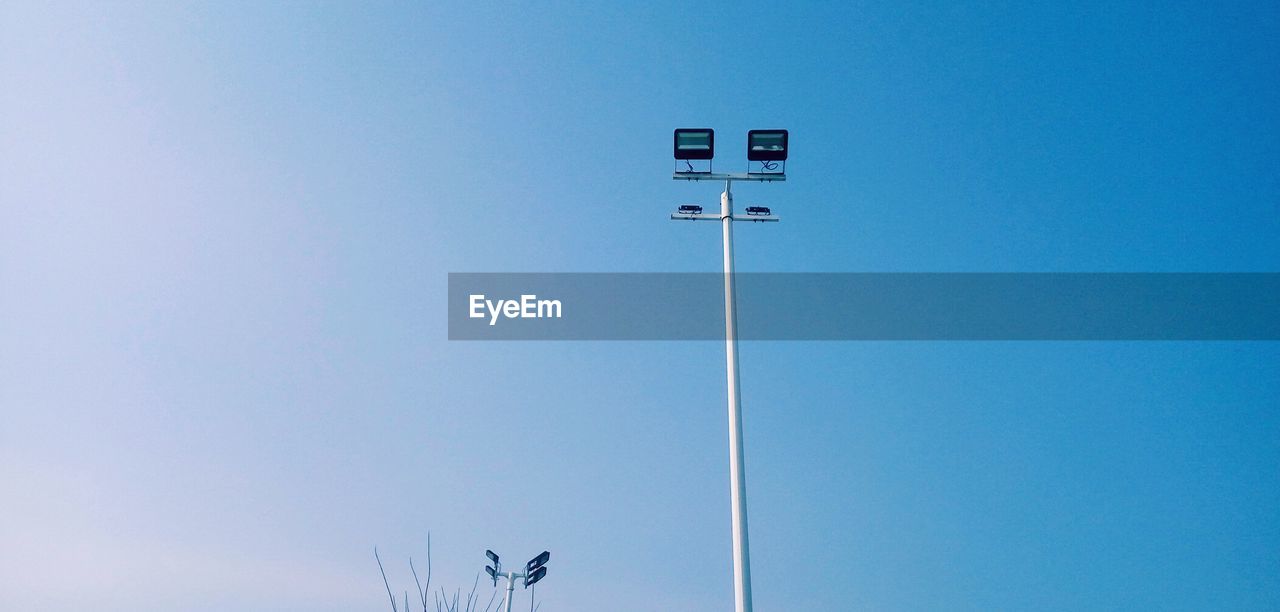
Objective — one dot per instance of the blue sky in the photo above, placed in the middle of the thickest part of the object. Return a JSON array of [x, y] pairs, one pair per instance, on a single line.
[[225, 231]]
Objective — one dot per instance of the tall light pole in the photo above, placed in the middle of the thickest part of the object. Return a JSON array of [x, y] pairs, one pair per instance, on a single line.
[[767, 147]]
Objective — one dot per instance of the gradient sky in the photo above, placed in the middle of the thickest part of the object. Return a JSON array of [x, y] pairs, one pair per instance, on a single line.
[[225, 230]]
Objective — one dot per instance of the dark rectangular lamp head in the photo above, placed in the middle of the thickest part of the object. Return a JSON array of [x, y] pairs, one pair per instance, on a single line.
[[767, 145], [535, 576], [695, 143], [537, 562]]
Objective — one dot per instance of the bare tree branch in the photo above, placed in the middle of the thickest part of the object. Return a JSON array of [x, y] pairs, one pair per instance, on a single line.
[[445, 598], [384, 580], [428, 559], [422, 591], [472, 594], [421, 595]]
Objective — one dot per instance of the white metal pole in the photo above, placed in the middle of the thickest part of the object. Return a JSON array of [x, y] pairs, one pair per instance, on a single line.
[[737, 467], [511, 587]]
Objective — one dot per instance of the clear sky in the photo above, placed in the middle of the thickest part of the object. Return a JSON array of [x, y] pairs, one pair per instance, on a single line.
[[225, 230]]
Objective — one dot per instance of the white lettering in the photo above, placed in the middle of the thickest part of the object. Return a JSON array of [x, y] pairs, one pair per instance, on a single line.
[[552, 309], [527, 307], [494, 309]]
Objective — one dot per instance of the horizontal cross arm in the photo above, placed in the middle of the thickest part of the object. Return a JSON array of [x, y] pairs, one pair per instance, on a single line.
[[707, 217], [758, 177]]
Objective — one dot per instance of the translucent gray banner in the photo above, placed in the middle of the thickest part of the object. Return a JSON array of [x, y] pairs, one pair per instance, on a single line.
[[873, 306]]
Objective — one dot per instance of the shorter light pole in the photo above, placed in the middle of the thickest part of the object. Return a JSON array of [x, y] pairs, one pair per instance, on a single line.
[[534, 571]]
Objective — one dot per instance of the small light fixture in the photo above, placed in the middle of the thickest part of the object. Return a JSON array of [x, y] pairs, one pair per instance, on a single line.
[[690, 209], [759, 211], [535, 569], [533, 578]]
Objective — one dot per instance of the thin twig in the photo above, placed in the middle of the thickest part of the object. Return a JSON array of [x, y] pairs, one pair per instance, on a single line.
[[421, 594], [384, 580], [473, 591]]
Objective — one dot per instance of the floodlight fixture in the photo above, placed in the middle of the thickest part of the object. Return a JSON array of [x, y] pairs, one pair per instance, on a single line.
[[535, 577], [758, 210], [537, 562], [492, 570], [766, 145], [695, 143], [690, 209]]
